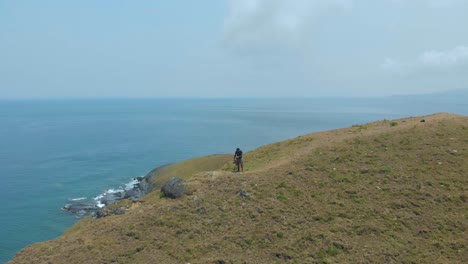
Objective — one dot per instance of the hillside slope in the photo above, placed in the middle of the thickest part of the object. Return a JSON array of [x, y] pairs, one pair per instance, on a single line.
[[383, 192]]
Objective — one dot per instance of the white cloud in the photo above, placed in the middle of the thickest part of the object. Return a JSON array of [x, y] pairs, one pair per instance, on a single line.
[[256, 22], [335, 44], [432, 59], [390, 64], [445, 3], [432, 3]]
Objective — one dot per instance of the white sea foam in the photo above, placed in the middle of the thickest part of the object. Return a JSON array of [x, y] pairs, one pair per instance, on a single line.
[[115, 191], [131, 184], [77, 199], [110, 191]]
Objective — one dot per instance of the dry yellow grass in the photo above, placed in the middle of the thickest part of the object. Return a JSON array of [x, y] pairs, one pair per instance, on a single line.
[[384, 192], [186, 169]]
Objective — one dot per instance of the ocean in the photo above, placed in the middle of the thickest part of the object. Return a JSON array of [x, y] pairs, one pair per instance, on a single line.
[[56, 150]]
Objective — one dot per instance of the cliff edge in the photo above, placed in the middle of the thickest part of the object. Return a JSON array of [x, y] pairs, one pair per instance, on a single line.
[[391, 191]]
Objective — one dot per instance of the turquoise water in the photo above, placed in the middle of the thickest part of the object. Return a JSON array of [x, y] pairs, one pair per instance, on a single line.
[[55, 150]]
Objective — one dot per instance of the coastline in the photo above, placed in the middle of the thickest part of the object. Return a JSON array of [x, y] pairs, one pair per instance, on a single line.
[[133, 190], [278, 181]]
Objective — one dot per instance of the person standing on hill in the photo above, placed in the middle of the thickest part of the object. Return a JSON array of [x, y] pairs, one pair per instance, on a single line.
[[238, 160]]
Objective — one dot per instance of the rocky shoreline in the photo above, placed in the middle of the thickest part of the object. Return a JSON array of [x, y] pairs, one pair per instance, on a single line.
[[133, 190]]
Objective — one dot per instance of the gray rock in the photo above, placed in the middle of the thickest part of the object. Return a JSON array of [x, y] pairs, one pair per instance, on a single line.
[[283, 256], [197, 201], [79, 207], [143, 187], [100, 214], [89, 207], [202, 211], [81, 213], [104, 212], [174, 188], [244, 194]]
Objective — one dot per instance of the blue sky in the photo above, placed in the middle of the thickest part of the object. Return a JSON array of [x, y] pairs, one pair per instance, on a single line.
[[232, 48]]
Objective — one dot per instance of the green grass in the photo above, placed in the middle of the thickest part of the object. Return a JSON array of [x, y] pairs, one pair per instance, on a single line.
[[186, 169], [388, 194]]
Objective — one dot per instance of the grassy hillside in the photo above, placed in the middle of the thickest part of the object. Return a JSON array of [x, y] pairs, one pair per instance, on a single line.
[[186, 169], [385, 192]]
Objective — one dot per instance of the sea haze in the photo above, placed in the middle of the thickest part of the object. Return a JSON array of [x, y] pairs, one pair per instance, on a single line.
[[52, 151]]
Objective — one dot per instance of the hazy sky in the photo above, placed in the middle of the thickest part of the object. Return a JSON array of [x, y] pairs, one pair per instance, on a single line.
[[224, 48]]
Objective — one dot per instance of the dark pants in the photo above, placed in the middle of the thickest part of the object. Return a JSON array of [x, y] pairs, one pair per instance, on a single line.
[[239, 163]]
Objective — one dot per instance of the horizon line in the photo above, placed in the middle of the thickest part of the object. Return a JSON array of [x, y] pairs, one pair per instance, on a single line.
[[40, 98]]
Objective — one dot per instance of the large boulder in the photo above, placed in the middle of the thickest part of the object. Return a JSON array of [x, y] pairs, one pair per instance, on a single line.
[[174, 188]]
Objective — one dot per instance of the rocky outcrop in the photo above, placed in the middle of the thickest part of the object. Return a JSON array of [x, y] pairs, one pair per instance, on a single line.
[[140, 189], [104, 212], [82, 208], [134, 190], [174, 188]]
